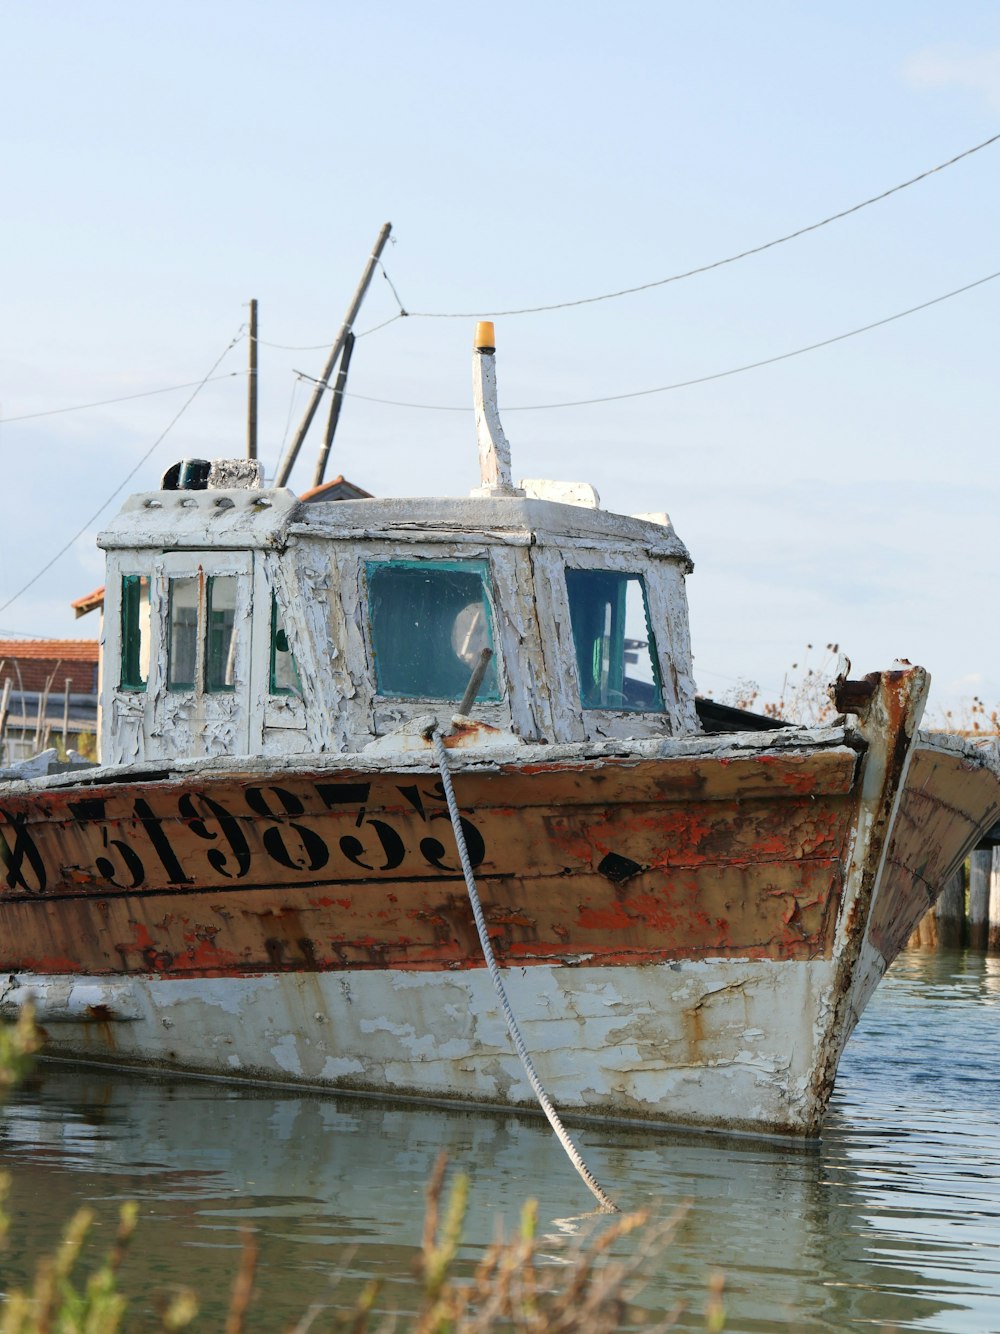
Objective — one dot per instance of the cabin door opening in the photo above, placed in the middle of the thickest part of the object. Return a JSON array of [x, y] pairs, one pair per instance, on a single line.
[[203, 611]]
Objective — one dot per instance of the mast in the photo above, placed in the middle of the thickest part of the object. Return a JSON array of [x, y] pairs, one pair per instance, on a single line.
[[335, 406], [291, 454], [252, 386]]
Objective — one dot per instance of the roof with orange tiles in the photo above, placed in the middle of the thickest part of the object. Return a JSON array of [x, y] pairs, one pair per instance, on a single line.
[[65, 650], [88, 602]]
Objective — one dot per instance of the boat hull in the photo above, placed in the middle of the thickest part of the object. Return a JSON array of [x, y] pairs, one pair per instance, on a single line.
[[689, 928], [720, 1044]]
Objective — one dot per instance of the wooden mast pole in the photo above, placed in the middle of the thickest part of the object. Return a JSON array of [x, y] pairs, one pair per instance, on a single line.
[[252, 386], [291, 454], [335, 406]]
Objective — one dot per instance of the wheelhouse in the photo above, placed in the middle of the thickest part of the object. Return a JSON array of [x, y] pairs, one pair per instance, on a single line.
[[241, 621]]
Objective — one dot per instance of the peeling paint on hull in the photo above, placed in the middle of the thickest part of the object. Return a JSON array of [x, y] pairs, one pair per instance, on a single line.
[[690, 930], [693, 1043]]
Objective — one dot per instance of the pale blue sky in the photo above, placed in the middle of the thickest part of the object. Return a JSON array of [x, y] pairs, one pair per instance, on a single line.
[[162, 166]]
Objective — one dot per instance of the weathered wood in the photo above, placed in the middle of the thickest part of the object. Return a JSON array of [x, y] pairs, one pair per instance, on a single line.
[[980, 875], [336, 404], [4, 708], [252, 386], [65, 726], [925, 934], [951, 911], [292, 453], [993, 923], [494, 449]]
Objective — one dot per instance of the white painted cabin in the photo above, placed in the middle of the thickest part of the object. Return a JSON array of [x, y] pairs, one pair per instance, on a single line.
[[240, 621]]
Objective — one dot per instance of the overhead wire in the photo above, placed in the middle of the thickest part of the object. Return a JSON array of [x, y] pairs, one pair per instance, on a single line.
[[124, 398], [701, 268], [699, 379], [129, 475]]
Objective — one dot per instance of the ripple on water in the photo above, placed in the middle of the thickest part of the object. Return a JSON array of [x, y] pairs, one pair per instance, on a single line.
[[893, 1221]]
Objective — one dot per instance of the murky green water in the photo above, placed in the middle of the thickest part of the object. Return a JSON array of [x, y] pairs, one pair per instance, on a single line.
[[894, 1221]]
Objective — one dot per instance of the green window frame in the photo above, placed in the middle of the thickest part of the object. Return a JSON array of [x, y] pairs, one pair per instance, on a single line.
[[135, 633], [201, 635], [608, 610], [220, 634], [429, 621]]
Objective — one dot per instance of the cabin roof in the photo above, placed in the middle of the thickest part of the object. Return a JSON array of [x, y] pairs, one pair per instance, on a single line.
[[227, 519], [519, 519]]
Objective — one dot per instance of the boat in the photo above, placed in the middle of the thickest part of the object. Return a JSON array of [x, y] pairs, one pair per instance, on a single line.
[[262, 879]]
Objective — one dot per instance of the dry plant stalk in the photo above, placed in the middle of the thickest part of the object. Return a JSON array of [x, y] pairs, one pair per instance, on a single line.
[[585, 1290]]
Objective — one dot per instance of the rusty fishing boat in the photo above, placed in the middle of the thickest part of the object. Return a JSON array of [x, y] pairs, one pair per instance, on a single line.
[[261, 880]]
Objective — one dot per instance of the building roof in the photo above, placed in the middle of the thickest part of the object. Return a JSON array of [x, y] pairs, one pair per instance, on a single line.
[[62, 650], [89, 602], [33, 664]]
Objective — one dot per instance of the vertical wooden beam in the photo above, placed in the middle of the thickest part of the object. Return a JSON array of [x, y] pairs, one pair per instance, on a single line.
[[951, 911], [335, 406], [252, 386], [980, 874], [65, 727], [4, 708], [993, 926]]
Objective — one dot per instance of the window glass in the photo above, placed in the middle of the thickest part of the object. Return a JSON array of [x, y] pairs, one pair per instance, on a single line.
[[615, 649], [220, 647], [284, 672], [430, 621], [182, 634], [135, 632]]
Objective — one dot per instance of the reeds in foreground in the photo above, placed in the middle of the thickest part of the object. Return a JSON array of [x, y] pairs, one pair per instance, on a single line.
[[518, 1284]]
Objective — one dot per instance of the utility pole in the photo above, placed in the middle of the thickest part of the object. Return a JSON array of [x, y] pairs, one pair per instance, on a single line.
[[252, 386], [291, 454], [335, 406]]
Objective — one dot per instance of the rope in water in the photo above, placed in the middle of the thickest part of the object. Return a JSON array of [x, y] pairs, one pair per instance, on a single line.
[[572, 1152]]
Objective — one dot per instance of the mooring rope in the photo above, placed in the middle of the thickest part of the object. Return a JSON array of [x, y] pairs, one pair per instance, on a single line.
[[562, 1134]]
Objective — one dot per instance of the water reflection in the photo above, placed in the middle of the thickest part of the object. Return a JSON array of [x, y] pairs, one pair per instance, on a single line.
[[893, 1220]]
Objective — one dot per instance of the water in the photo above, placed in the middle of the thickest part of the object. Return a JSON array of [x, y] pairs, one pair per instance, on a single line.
[[894, 1221]]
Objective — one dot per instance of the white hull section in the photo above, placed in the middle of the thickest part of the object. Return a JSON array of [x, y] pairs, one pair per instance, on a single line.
[[728, 1044]]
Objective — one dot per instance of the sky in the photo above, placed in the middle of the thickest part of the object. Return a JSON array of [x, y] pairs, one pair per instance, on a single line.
[[161, 166]]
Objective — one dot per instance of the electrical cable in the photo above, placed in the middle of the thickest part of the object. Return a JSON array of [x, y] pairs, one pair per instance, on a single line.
[[702, 268], [699, 379], [126, 398], [127, 478]]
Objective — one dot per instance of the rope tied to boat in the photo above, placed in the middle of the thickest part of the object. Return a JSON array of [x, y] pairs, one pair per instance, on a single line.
[[572, 1152]]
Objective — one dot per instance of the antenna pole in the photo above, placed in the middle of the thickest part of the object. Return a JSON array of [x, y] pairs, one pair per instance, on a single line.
[[335, 406], [291, 454], [252, 386]]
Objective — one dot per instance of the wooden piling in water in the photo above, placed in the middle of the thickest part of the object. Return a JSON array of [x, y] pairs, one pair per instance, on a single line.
[[993, 921], [980, 877], [950, 911]]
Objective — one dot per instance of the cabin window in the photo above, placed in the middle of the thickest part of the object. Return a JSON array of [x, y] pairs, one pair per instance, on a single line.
[[135, 632], [217, 631], [284, 671], [182, 635], [430, 621], [615, 649], [220, 647]]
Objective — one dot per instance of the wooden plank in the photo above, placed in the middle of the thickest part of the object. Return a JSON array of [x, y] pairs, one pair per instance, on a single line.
[[783, 911]]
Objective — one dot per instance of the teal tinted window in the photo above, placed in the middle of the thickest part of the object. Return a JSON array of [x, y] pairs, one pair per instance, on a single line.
[[615, 650], [135, 632], [430, 621], [284, 672]]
